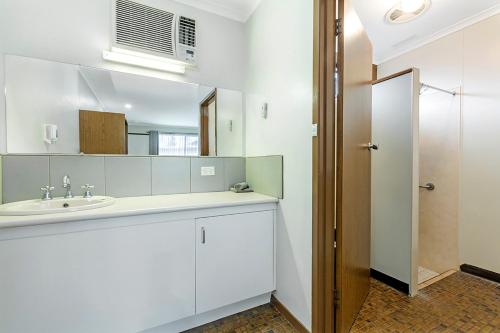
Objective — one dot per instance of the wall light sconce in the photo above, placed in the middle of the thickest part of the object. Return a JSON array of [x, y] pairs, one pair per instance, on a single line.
[[143, 60]]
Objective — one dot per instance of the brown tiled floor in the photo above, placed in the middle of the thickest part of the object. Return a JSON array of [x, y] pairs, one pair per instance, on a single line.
[[264, 319], [460, 303]]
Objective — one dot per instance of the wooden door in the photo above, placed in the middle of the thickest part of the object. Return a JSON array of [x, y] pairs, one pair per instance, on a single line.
[[324, 167], [208, 127], [354, 103], [234, 258], [103, 133]]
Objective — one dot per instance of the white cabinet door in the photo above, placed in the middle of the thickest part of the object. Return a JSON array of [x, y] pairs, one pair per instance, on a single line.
[[125, 279], [234, 258]]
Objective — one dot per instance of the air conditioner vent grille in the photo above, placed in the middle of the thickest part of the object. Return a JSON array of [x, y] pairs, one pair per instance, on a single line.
[[187, 31], [144, 27]]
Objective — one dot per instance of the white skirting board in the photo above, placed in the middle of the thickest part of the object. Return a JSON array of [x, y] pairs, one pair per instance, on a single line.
[[208, 317]]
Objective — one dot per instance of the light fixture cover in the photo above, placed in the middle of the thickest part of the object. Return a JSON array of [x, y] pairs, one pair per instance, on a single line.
[[407, 10], [144, 60], [410, 6]]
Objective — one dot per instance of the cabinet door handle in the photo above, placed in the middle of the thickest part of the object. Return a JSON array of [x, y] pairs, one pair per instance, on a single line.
[[203, 236]]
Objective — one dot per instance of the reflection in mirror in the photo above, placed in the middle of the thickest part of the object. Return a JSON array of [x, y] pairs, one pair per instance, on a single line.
[[62, 108]]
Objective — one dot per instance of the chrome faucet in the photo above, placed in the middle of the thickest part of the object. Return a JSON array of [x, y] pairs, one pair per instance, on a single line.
[[47, 192], [67, 186], [87, 194]]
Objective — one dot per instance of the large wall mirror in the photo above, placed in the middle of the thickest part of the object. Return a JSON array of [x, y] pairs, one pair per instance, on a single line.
[[58, 108]]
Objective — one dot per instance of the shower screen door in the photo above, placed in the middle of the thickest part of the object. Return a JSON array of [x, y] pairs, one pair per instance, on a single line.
[[395, 176]]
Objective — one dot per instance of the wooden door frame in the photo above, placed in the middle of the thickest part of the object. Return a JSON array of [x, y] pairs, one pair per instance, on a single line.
[[204, 121], [324, 166]]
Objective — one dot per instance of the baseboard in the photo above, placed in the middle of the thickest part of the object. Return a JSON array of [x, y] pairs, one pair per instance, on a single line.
[[438, 278], [288, 315], [484, 273], [211, 316], [390, 281]]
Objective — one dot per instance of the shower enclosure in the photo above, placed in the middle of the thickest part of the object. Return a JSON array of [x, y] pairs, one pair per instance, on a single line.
[[415, 182], [439, 148]]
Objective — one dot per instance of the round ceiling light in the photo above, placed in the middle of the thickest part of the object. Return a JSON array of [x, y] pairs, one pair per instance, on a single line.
[[407, 10]]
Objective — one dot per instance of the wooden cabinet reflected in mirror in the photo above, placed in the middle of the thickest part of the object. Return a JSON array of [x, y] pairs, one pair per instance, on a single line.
[[103, 133]]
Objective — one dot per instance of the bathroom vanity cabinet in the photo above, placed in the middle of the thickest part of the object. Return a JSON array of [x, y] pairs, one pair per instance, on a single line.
[[154, 272], [234, 258]]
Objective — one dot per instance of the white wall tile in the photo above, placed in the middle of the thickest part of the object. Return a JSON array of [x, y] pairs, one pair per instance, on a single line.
[[234, 171], [23, 176], [207, 183], [81, 169], [128, 176], [171, 175]]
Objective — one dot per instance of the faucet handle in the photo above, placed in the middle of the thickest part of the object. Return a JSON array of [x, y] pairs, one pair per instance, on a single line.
[[47, 188], [86, 190], [47, 192]]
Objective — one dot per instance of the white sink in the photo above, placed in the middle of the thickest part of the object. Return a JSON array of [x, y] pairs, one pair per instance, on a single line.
[[56, 205]]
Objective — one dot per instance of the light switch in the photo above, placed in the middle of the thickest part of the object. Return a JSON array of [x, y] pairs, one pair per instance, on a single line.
[[207, 171]]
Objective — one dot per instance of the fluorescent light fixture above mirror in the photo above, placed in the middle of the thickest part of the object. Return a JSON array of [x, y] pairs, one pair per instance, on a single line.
[[144, 60]]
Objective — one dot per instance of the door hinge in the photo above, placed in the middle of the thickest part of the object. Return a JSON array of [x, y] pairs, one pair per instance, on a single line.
[[336, 297], [338, 27]]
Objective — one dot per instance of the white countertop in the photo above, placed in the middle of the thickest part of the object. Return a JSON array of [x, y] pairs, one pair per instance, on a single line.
[[144, 205]]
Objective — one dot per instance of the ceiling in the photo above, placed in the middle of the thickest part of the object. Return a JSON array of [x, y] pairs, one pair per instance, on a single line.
[[239, 10], [153, 101], [444, 16]]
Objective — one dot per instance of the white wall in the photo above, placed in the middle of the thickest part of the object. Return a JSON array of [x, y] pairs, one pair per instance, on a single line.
[[76, 31], [229, 122], [88, 100], [469, 58], [280, 69]]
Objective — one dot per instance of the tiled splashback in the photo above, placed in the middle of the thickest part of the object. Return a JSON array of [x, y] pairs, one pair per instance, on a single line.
[[265, 174], [117, 176], [1, 179]]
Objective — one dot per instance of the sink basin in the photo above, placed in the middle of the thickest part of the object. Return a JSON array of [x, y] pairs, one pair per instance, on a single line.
[[57, 205]]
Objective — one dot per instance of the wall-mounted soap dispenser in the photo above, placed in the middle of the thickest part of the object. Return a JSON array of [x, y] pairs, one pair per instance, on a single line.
[[50, 133]]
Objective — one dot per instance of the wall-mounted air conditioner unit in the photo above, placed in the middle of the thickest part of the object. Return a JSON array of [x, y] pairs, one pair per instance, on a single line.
[[156, 32]]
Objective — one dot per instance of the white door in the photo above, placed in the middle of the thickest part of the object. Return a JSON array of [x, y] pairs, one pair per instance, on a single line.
[[234, 258], [395, 175], [123, 280]]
